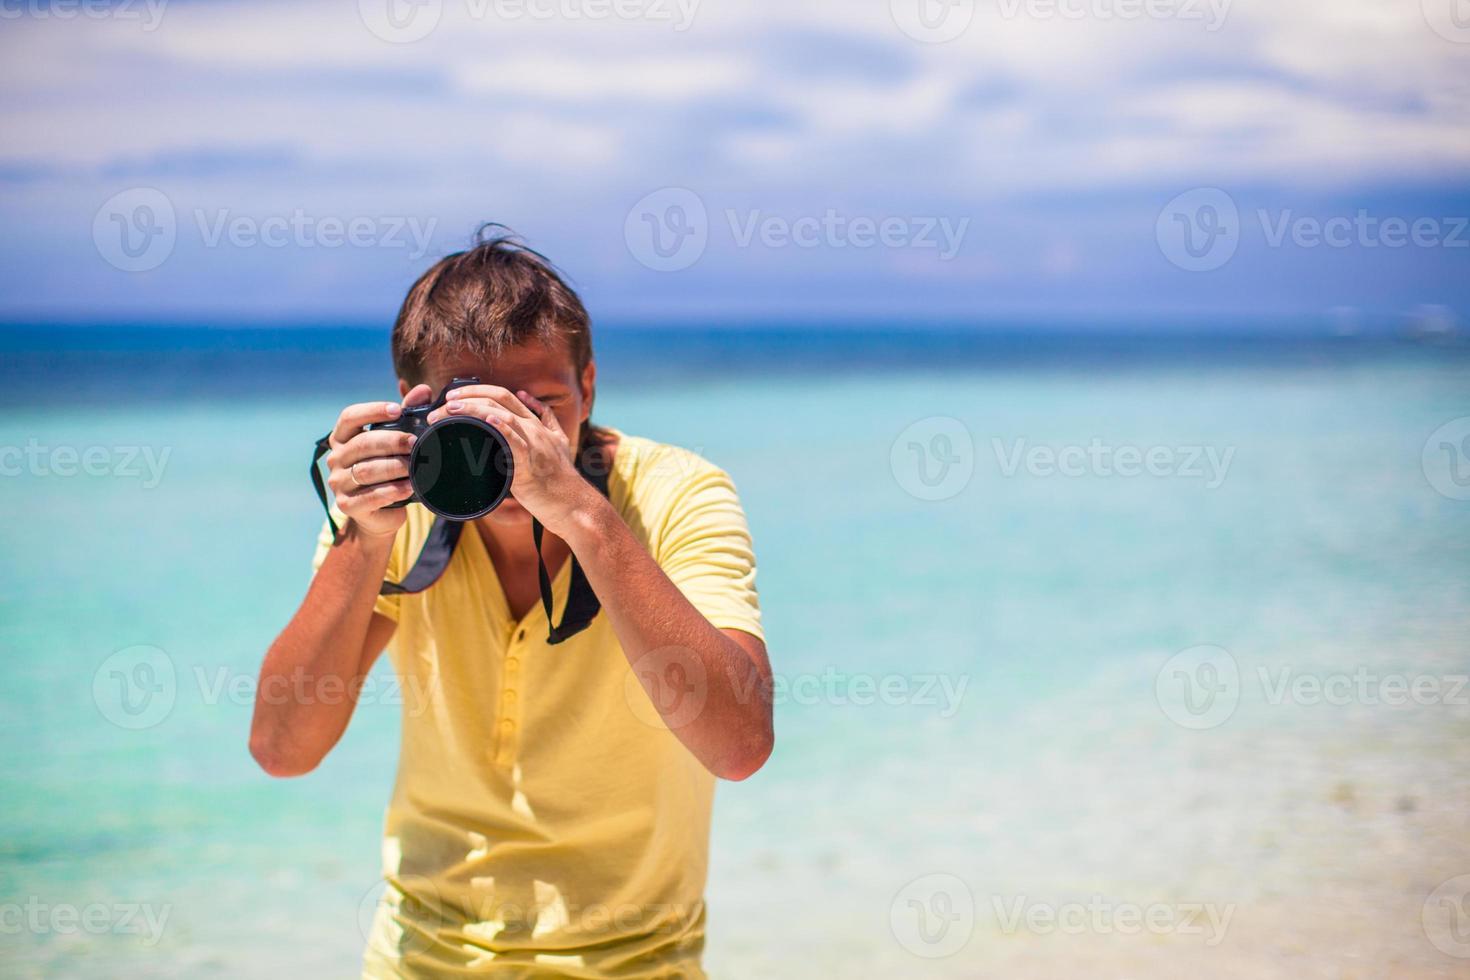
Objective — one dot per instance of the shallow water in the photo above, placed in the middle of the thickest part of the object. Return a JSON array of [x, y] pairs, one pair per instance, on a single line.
[[977, 707]]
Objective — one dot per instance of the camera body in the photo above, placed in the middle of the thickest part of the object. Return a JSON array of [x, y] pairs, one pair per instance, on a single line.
[[459, 468]]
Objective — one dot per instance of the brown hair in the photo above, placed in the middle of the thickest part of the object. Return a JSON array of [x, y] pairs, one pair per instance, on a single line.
[[493, 296]]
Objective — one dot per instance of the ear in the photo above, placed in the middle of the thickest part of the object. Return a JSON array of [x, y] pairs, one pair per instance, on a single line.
[[589, 389], [403, 389]]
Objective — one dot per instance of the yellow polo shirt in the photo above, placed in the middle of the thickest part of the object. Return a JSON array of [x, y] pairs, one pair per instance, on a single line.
[[545, 821]]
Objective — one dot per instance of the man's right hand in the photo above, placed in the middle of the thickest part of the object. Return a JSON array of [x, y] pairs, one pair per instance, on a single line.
[[368, 471]]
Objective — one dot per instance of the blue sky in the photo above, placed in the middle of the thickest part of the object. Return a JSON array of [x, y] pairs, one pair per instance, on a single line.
[[1155, 160]]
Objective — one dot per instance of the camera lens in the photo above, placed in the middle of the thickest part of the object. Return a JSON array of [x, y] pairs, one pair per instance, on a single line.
[[461, 468]]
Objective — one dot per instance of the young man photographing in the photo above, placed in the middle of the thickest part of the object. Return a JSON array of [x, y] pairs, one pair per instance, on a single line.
[[550, 818]]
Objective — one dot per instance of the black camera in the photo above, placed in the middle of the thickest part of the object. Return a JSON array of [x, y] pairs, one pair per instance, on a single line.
[[460, 468]]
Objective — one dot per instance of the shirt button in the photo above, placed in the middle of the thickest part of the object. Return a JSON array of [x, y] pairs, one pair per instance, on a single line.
[[511, 666], [509, 697], [507, 726]]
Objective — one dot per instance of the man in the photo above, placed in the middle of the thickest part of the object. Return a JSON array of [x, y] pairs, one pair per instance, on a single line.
[[551, 814]]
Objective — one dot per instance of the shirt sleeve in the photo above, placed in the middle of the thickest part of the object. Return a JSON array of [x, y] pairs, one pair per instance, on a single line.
[[387, 605], [705, 549]]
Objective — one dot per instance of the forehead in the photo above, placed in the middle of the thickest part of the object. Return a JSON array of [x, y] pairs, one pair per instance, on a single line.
[[523, 366]]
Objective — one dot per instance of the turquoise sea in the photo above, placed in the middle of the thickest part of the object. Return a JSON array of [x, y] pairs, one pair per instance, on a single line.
[[1011, 692]]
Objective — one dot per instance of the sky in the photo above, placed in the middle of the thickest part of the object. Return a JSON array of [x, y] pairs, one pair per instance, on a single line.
[[1148, 161]]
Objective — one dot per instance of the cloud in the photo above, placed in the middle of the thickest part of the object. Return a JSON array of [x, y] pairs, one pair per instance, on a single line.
[[566, 120]]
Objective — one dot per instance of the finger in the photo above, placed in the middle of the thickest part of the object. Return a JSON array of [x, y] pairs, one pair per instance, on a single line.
[[367, 445], [367, 472], [495, 393], [520, 448], [541, 409], [355, 503], [419, 395], [354, 417], [481, 408]]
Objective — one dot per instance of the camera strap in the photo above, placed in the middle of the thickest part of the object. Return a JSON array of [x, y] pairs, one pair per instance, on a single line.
[[434, 557]]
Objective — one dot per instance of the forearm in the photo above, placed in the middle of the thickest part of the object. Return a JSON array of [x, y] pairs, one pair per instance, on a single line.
[[657, 627], [312, 673]]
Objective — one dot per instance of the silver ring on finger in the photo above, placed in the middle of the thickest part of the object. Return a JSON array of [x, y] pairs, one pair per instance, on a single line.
[[352, 475]]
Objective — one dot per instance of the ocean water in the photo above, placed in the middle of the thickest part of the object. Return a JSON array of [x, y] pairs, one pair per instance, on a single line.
[[1010, 693]]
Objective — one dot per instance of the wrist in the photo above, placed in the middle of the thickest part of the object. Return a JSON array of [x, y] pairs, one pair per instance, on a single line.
[[369, 541], [586, 521]]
